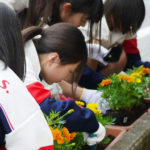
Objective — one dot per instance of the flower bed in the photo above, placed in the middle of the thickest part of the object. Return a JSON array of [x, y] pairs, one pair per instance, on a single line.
[[124, 93]]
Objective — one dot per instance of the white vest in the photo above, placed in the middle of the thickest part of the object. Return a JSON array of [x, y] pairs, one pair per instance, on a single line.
[[30, 130]]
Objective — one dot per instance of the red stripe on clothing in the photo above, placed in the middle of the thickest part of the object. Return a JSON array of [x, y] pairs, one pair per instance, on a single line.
[[10, 125], [47, 148], [38, 91], [130, 46], [2, 147]]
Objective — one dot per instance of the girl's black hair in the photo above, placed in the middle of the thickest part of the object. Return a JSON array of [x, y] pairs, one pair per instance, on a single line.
[[126, 15], [63, 38], [11, 44], [94, 8], [49, 11], [38, 13]]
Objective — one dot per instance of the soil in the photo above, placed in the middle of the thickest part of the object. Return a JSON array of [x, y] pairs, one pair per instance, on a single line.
[[124, 117], [102, 146]]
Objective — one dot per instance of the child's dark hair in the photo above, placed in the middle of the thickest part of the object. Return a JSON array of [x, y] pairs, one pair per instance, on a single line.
[[11, 44], [127, 15], [63, 38], [93, 8], [38, 9], [49, 11]]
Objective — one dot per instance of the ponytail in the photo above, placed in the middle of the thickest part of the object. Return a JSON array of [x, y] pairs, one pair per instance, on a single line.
[[31, 32]]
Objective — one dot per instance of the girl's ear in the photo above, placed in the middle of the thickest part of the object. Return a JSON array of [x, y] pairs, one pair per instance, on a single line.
[[53, 58], [67, 7]]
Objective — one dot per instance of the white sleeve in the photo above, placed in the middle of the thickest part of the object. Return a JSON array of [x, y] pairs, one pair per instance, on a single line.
[[17, 5]]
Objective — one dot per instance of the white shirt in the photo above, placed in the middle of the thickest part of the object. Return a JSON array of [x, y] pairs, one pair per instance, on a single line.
[[33, 70], [16, 5], [108, 38]]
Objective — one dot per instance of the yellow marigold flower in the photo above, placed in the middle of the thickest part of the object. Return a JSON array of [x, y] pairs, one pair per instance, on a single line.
[[66, 134], [106, 82], [137, 74], [138, 80], [79, 103], [94, 108], [70, 111], [73, 144]]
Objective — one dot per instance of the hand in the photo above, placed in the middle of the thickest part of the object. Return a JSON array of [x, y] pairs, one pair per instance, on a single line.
[[99, 136], [94, 96]]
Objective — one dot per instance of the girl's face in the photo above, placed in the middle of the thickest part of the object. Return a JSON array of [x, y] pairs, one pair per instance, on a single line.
[[77, 19], [51, 69]]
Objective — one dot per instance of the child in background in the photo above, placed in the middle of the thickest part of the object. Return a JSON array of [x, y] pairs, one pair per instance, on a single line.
[[55, 59], [75, 12], [122, 20], [22, 124]]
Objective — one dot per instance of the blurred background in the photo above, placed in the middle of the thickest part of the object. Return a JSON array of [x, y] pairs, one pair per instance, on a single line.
[[143, 35]]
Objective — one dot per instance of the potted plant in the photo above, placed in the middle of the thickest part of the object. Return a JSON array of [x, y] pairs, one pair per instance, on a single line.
[[124, 93], [63, 139], [145, 82]]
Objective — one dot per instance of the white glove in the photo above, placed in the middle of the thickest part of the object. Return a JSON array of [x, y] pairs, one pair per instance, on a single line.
[[99, 136], [97, 52], [94, 96]]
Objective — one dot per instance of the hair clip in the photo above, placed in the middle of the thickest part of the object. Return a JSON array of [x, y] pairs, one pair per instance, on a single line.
[[131, 29]]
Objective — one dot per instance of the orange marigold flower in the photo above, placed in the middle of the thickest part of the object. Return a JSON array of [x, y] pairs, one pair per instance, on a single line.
[[52, 130], [126, 78], [72, 135], [56, 134], [106, 82], [66, 134], [60, 140], [146, 70]]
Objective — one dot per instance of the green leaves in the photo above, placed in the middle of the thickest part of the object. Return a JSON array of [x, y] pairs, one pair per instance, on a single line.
[[107, 120], [55, 120], [126, 92]]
